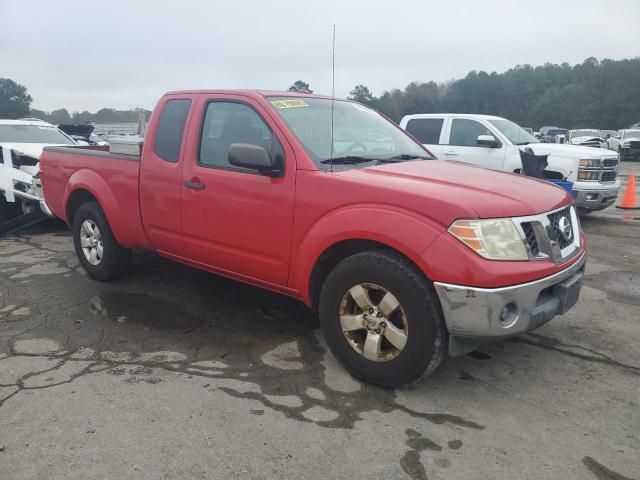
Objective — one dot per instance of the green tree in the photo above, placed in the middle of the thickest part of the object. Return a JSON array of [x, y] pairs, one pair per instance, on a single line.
[[299, 85], [59, 116], [362, 94], [14, 99]]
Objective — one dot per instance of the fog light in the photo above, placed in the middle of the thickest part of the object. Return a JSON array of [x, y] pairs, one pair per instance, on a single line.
[[591, 196], [508, 314]]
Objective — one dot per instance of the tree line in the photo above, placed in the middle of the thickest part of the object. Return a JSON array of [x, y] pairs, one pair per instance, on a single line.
[[593, 94], [15, 102]]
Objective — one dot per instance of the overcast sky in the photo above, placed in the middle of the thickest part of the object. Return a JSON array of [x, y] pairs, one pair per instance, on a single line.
[[82, 54]]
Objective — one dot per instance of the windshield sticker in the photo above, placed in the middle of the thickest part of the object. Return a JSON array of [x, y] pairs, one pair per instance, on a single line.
[[294, 103]]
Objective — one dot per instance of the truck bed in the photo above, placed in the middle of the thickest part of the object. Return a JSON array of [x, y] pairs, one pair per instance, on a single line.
[[111, 178]]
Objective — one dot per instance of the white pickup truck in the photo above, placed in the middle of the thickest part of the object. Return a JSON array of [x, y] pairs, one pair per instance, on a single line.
[[21, 143], [494, 142]]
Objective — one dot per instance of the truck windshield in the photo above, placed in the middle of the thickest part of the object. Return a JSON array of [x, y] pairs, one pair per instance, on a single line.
[[514, 132], [33, 134], [360, 134]]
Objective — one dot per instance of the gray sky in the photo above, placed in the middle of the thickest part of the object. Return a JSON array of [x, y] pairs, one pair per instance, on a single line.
[[82, 55]]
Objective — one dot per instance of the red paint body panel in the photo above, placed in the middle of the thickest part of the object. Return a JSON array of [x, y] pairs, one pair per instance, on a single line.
[[113, 182], [271, 231]]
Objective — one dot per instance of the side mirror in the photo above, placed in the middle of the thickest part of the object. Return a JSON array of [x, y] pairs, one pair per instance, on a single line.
[[488, 141], [255, 157]]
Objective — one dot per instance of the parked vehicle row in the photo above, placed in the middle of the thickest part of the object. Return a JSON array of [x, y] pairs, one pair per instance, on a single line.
[[495, 142], [406, 258]]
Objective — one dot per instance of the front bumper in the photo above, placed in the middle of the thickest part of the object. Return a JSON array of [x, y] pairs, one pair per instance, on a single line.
[[475, 316], [596, 199]]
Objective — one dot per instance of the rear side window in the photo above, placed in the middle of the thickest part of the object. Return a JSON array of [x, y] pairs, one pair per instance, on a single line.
[[170, 129], [427, 130], [464, 132]]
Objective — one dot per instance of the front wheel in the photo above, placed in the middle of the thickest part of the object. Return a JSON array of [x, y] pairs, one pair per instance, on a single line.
[[99, 252], [382, 320]]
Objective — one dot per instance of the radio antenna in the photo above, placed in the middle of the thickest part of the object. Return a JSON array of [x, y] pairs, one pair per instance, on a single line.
[[333, 89]]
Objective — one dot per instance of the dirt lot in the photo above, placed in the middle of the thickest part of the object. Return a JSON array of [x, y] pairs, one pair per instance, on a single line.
[[175, 373]]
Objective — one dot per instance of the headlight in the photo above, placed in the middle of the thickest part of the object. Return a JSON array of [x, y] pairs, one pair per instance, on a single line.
[[590, 162], [588, 175], [495, 239]]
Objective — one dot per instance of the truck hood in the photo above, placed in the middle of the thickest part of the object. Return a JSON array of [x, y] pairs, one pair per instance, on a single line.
[[454, 190], [579, 140], [565, 150]]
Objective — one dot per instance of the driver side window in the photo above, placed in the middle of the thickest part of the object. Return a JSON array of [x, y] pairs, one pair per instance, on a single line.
[[226, 123], [464, 132]]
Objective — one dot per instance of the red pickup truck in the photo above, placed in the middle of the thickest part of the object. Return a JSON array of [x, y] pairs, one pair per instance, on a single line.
[[405, 257]]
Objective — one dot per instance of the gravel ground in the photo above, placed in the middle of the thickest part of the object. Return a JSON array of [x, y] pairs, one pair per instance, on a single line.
[[176, 373]]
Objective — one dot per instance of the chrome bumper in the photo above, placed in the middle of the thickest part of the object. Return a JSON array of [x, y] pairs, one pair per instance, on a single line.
[[478, 315], [596, 199]]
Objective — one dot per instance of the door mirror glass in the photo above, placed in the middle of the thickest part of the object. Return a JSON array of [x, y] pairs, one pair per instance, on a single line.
[[488, 141], [250, 156]]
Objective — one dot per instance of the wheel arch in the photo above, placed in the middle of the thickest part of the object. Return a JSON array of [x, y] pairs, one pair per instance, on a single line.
[[337, 252], [86, 186], [346, 231]]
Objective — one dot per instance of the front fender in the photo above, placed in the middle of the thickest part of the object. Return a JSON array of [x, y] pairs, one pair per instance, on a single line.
[[405, 231], [90, 181]]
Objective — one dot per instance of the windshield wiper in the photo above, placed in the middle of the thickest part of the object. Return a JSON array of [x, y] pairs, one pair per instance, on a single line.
[[348, 160], [405, 156]]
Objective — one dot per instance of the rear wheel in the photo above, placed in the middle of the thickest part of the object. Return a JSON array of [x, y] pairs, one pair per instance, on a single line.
[[100, 254], [382, 320]]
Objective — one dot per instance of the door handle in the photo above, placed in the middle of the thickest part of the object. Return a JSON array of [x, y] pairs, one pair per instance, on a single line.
[[194, 184], [451, 152]]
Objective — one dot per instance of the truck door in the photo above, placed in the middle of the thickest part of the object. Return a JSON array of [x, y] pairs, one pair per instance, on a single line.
[[237, 220], [463, 145], [160, 181], [429, 131]]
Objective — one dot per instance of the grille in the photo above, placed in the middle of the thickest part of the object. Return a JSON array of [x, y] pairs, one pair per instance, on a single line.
[[608, 177], [531, 239], [634, 144], [609, 162], [554, 219]]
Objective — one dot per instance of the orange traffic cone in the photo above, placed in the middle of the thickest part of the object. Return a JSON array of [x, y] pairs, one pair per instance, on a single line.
[[629, 197]]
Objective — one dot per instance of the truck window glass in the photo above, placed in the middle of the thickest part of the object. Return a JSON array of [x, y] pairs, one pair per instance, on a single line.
[[464, 132], [226, 123], [170, 129], [427, 130], [357, 130]]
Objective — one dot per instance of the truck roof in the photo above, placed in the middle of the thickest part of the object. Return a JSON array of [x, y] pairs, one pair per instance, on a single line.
[[474, 115], [25, 121], [252, 93]]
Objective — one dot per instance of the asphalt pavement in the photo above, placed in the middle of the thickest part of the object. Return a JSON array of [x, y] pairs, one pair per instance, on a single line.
[[176, 373]]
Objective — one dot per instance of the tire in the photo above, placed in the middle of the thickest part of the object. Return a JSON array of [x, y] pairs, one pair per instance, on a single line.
[[419, 308], [114, 261], [9, 210]]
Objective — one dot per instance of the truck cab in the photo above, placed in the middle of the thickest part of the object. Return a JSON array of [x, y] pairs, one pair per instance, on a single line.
[[494, 142]]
